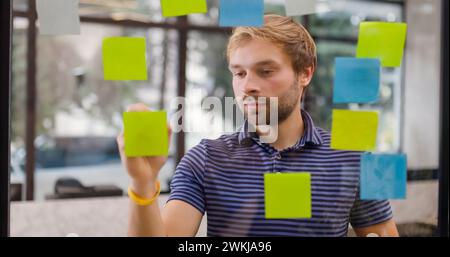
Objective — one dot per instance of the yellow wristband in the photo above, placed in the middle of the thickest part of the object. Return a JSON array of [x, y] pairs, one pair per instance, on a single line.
[[142, 201]]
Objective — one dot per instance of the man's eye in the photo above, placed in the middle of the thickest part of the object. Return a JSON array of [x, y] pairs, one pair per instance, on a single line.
[[266, 72], [238, 74]]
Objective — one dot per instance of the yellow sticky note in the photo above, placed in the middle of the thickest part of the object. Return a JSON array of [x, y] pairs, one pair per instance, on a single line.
[[124, 58], [382, 40], [172, 8], [354, 130], [145, 134], [287, 195]]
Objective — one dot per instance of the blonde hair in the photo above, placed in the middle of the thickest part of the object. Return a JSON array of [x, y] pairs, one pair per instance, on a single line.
[[284, 32]]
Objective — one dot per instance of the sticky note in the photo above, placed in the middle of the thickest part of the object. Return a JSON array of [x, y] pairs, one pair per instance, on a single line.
[[145, 134], [234, 13], [172, 8], [298, 8], [383, 176], [356, 80], [58, 17], [287, 195], [124, 58], [382, 40], [354, 130]]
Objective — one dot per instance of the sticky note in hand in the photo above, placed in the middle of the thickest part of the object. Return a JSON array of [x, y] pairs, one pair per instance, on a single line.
[[234, 13], [58, 17], [382, 40], [145, 134], [287, 195], [383, 176], [354, 130], [173, 8], [356, 80], [124, 58]]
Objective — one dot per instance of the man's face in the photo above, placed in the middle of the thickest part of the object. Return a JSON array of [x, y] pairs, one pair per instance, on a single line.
[[261, 69]]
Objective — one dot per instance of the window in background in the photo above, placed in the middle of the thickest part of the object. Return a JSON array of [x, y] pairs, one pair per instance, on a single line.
[[79, 114], [74, 101], [210, 18], [207, 75], [136, 10], [336, 35], [20, 5], [335, 30], [18, 99]]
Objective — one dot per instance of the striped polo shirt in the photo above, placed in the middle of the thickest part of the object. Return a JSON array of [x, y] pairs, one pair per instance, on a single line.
[[225, 178]]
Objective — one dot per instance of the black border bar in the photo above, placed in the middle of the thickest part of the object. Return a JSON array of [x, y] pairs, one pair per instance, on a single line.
[[5, 103], [444, 113]]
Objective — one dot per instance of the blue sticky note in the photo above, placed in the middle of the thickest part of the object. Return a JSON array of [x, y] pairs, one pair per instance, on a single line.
[[357, 80], [234, 13], [383, 176]]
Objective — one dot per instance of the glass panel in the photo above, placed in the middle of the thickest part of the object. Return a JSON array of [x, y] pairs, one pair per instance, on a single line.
[[211, 18], [207, 75], [79, 114], [319, 99], [341, 22], [137, 10], [20, 5], [19, 66], [341, 18]]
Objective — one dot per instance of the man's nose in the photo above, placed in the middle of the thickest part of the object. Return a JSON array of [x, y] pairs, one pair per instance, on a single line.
[[250, 85]]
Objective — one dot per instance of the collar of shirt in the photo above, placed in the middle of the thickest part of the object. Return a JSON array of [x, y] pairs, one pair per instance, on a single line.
[[311, 135]]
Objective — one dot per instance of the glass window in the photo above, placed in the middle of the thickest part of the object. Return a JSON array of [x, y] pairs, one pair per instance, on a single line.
[[20, 5], [136, 10], [210, 18], [341, 18], [79, 114], [336, 35], [207, 75]]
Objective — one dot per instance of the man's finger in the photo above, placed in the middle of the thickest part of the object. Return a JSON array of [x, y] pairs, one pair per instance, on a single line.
[[120, 141], [139, 107]]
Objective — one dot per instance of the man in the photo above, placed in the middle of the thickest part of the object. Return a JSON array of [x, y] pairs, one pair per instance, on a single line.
[[225, 177]]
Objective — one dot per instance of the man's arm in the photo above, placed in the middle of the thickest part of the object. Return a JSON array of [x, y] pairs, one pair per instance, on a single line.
[[385, 229], [177, 218], [181, 218]]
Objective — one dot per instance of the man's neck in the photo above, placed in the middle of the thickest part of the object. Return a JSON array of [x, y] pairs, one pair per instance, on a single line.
[[289, 131]]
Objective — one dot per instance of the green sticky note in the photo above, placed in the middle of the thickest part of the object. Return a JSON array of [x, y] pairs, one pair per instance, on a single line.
[[287, 195], [354, 130], [382, 40], [146, 134], [172, 8], [124, 58]]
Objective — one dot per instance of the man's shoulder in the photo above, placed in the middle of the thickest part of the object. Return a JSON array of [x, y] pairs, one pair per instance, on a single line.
[[224, 142], [222, 147]]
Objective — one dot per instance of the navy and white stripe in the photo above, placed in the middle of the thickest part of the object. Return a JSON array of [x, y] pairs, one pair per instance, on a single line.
[[225, 179]]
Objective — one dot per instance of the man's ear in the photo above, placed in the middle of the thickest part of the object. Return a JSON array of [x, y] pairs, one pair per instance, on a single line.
[[305, 76]]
